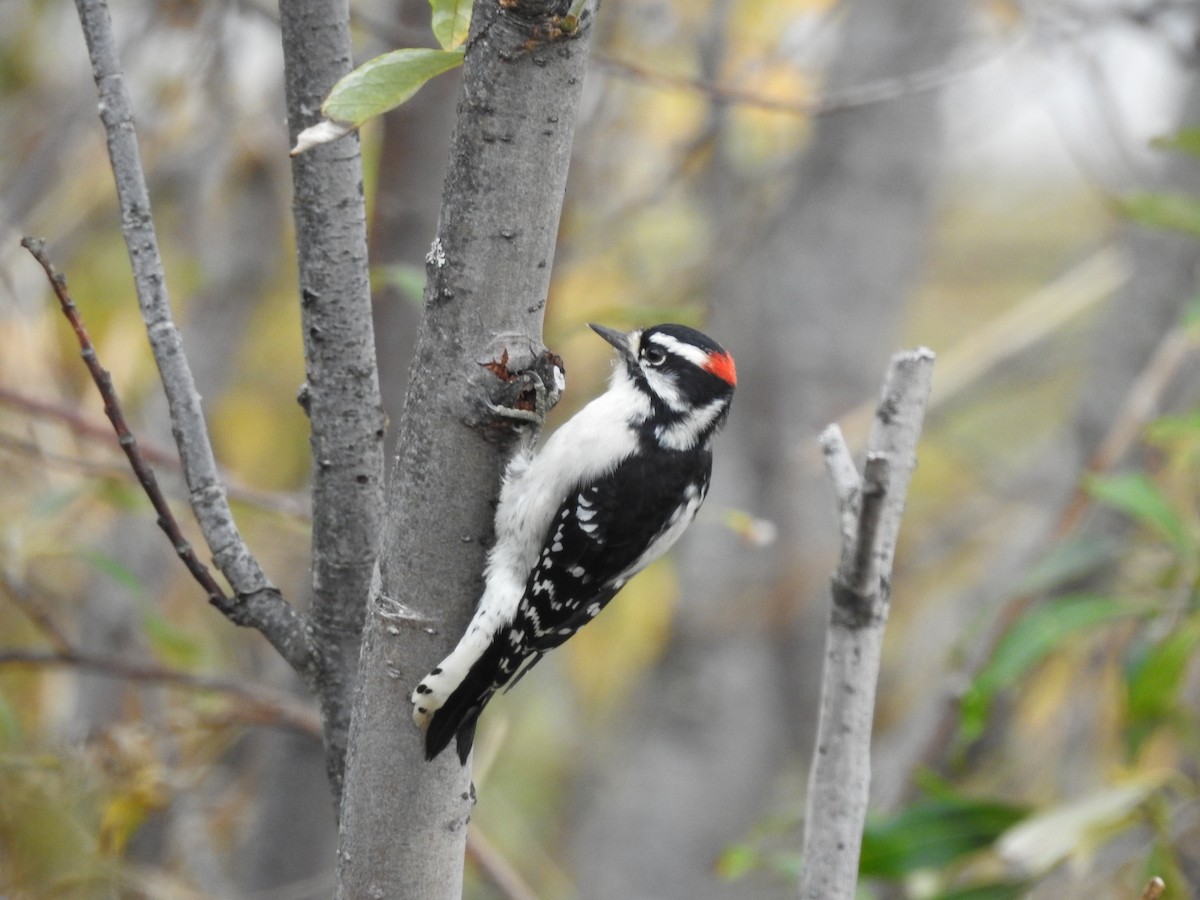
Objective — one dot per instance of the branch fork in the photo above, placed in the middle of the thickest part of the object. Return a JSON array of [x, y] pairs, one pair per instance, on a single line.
[[870, 507]]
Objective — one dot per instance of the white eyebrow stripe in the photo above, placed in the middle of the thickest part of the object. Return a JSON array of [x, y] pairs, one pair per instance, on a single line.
[[690, 352]]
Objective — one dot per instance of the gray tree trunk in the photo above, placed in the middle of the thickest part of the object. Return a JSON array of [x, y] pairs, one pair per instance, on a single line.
[[809, 310], [341, 394], [403, 819]]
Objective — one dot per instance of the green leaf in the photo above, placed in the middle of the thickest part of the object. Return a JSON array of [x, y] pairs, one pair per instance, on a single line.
[[1187, 141], [1139, 498], [738, 861], [1176, 427], [385, 82], [1153, 684], [451, 20], [1027, 643], [1172, 212], [932, 833]]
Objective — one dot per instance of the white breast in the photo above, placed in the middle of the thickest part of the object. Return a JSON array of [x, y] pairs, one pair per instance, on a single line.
[[590, 444]]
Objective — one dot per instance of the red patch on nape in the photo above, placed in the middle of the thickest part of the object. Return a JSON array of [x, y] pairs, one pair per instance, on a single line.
[[721, 365]]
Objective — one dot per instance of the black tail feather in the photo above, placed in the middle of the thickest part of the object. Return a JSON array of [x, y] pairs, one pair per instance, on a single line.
[[465, 736], [458, 715]]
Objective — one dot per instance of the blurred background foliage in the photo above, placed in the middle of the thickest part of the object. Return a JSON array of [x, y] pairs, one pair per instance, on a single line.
[[1037, 718]]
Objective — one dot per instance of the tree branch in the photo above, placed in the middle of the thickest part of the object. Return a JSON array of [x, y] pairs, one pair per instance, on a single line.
[[129, 445], [496, 869], [76, 423], [23, 596], [852, 97], [259, 603], [840, 776], [341, 394], [258, 704], [487, 276], [1154, 889]]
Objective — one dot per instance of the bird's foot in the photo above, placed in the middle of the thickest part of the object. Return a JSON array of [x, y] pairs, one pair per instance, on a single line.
[[522, 398]]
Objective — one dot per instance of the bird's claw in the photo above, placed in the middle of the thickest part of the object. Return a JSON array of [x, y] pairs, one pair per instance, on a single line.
[[522, 398], [518, 414]]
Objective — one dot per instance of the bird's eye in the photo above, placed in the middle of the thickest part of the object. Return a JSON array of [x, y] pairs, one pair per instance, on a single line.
[[654, 356]]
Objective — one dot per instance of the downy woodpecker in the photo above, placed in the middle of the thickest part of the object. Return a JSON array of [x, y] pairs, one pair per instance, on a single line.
[[609, 493]]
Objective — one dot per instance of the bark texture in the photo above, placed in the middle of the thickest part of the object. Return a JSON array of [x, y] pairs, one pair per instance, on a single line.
[[404, 820], [341, 394], [871, 508]]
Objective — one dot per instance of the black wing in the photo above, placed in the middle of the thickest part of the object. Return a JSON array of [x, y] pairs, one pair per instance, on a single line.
[[597, 534]]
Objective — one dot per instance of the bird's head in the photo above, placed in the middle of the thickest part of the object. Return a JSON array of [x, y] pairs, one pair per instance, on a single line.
[[687, 376]]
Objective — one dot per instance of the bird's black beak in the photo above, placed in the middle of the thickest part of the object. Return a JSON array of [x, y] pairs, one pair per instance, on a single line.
[[618, 339]]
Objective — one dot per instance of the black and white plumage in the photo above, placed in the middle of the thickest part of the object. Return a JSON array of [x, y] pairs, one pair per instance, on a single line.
[[609, 492]]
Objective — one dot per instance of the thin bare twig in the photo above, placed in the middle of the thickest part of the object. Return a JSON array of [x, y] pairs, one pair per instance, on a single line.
[[263, 705], [23, 596], [496, 869], [1141, 403], [77, 423], [864, 566], [137, 226], [847, 484], [259, 603], [868, 94], [1154, 889], [841, 769], [112, 408]]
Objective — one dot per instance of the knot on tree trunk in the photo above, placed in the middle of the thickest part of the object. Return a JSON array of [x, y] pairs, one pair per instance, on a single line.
[[541, 12]]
